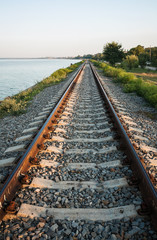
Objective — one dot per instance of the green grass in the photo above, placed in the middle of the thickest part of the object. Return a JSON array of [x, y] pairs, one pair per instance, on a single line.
[[147, 75], [18, 103], [130, 82], [141, 70]]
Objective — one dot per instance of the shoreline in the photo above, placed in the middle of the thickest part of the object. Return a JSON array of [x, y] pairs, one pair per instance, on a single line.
[[19, 74], [18, 103], [43, 58], [12, 126]]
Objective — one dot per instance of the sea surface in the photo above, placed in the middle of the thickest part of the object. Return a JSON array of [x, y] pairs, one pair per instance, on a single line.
[[19, 74]]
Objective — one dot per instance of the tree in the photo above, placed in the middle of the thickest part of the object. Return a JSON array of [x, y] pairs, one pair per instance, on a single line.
[[154, 56], [113, 53], [152, 52], [87, 56], [98, 56], [130, 62], [78, 57], [143, 58], [136, 51]]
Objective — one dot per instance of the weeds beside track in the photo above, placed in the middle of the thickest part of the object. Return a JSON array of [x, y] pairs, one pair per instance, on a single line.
[[130, 82], [18, 103]]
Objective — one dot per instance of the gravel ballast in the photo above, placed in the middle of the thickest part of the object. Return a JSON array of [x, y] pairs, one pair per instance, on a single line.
[[47, 225], [143, 115]]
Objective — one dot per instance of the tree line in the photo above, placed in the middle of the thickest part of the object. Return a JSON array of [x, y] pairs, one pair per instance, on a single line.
[[114, 53]]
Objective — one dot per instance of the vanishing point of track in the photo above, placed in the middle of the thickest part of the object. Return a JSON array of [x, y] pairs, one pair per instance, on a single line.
[[82, 146]]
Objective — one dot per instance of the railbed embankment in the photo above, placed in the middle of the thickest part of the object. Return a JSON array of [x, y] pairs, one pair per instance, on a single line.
[[80, 189], [13, 125], [130, 83], [18, 103], [140, 121]]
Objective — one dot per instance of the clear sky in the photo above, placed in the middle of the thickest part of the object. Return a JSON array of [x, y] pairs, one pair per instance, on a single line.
[[40, 28]]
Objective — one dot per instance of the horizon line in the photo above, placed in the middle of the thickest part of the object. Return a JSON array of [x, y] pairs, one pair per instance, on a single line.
[[34, 57]]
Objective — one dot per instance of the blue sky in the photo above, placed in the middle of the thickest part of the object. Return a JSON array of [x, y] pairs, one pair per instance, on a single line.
[[39, 28]]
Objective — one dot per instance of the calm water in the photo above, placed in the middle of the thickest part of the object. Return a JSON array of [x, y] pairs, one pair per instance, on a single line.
[[19, 74]]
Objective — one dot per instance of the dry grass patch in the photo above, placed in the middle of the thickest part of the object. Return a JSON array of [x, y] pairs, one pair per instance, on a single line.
[[147, 76]]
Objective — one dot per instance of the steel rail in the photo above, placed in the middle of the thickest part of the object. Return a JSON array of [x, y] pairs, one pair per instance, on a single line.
[[148, 191], [12, 184]]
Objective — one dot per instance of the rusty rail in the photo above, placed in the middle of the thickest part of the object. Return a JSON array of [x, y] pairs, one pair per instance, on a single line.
[[148, 191], [12, 184]]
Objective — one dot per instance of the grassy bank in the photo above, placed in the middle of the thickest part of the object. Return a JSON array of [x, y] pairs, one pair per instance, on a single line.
[[146, 74], [130, 82], [18, 103]]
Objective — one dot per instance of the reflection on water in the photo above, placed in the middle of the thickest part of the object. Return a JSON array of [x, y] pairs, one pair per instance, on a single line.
[[19, 74]]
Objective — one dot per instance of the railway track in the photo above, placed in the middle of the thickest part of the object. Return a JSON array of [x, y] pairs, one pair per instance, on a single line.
[[80, 176]]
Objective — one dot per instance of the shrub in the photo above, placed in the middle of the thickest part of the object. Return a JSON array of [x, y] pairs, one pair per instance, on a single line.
[[143, 58], [130, 62], [125, 77], [10, 105], [133, 85], [153, 99], [130, 83]]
